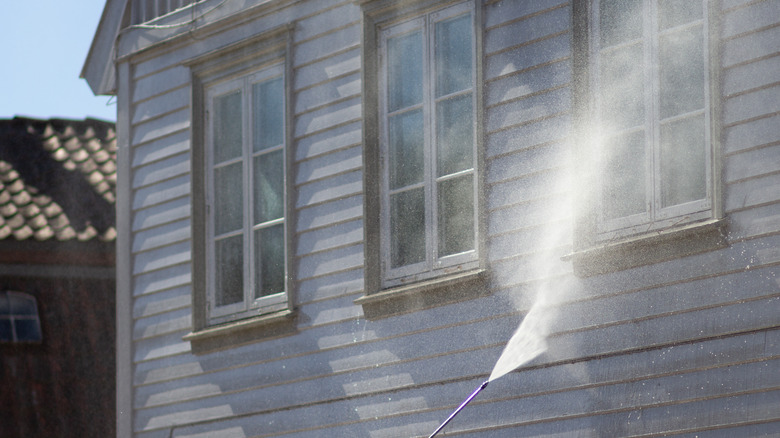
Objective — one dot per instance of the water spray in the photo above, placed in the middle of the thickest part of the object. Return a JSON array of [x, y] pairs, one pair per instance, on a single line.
[[527, 343]]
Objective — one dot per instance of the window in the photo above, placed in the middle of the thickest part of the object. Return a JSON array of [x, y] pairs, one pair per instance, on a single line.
[[647, 100], [428, 145], [650, 97], [245, 161], [19, 321]]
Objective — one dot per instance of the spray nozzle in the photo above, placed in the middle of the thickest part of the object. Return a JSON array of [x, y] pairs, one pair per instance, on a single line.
[[460, 408]]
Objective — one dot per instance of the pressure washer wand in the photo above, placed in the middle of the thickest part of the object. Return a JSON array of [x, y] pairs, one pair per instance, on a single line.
[[460, 408]]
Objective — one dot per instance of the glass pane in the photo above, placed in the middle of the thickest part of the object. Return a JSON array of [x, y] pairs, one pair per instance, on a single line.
[[622, 89], [623, 186], [676, 12], [406, 149], [227, 127], [269, 251], [6, 332], [454, 135], [683, 161], [453, 55], [407, 227], [228, 199], [268, 110], [404, 71], [27, 330], [682, 72], [229, 265], [269, 186], [5, 306], [456, 215], [21, 305], [619, 21]]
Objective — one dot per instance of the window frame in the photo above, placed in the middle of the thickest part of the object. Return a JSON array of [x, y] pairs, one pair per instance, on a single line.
[[459, 282], [655, 216], [249, 306], [252, 56], [433, 264], [598, 249]]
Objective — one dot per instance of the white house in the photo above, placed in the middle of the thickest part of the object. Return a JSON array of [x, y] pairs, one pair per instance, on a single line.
[[333, 214]]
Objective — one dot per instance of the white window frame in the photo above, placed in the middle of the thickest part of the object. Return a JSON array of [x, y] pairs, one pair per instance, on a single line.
[[433, 265], [249, 306], [655, 217]]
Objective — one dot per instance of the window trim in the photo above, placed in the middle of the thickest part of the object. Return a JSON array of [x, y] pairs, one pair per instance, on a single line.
[[249, 306], [597, 252], [433, 265], [242, 59], [656, 217], [379, 14]]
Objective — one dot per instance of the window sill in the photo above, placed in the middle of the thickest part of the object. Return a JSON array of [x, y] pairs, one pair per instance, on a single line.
[[648, 249], [425, 294], [238, 332]]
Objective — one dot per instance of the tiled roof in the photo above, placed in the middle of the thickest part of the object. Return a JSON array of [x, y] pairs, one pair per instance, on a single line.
[[57, 180]]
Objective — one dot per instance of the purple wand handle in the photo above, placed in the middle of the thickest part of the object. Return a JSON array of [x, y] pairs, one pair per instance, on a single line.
[[460, 408]]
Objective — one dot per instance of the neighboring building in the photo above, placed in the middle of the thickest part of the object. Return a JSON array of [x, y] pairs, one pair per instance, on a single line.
[[57, 301], [332, 215]]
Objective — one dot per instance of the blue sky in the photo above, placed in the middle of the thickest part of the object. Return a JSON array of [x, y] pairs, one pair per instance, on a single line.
[[45, 43]]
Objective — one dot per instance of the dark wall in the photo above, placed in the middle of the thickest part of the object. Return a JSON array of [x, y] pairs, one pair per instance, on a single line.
[[63, 386]]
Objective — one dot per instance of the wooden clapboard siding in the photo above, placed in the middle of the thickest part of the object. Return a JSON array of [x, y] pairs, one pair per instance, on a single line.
[[681, 346], [161, 247]]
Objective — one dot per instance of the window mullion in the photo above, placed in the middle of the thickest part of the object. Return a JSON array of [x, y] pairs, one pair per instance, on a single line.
[[249, 259], [431, 149], [707, 103], [652, 126]]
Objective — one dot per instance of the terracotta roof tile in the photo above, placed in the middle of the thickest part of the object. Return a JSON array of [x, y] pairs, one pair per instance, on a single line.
[[57, 179]]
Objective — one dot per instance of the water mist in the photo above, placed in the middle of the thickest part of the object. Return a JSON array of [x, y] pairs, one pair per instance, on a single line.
[[530, 338], [528, 341]]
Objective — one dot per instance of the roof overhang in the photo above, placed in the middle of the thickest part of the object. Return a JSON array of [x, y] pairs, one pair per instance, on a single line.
[[99, 70]]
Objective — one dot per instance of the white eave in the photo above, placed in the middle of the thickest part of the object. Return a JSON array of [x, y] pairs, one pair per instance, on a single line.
[[98, 69]]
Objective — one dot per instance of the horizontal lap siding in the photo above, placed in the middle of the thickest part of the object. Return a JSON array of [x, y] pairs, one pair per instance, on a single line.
[[172, 386], [683, 345], [161, 247], [751, 113], [161, 187], [707, 306]]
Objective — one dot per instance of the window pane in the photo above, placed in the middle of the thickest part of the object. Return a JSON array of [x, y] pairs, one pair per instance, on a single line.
[[623, 187], [269, 250], [454, 135], [228, 195], [622, 90], [229, 264], [27, 330], [21, 305], [453, 55], [683, 161], [407, 227], [676, 12], [227, 127], [456, 215], [404, 71], [619, 21], [268, 110], [6, 332], [269, 186], [681, 56], [406, 148]]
